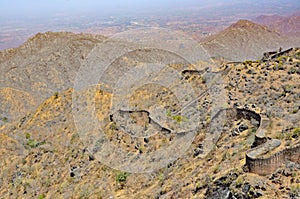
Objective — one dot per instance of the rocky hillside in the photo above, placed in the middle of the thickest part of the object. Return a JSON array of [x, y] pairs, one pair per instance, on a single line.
[[44, 156], [247, 40], [45, 64]]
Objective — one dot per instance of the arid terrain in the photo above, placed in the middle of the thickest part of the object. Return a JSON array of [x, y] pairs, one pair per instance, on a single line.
[[254, 155], [282, 24]]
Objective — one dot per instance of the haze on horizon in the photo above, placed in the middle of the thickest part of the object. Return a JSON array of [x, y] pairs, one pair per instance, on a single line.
[[21, 19], [47, 8]]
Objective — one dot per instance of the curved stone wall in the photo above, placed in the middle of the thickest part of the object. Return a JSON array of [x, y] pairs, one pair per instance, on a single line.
[[267, 165], [260, 160]]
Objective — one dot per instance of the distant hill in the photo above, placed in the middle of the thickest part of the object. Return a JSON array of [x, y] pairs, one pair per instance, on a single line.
[[246, 40], [288, 25]]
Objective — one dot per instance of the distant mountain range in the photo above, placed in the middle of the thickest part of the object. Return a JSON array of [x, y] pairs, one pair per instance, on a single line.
[[288, 25], [247, 40]]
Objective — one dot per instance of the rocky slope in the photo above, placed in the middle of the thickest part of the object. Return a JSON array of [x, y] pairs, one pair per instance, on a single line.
[[44, 156], [45, 64]]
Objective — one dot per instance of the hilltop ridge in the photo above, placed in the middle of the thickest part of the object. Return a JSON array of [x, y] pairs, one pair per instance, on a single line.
[[247, 25], [247, 40], [45, 64]]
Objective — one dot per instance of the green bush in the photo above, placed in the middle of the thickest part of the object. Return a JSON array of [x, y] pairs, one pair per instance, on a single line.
[[28, 136], [113, 126], [279, 66], [5, 119], [55, 95], [33, 143], [121, 177], [178, 118], [282, 59], [287, 88], [297, 55], [248, 62], [296, 132], [42, 196], [292, 71], [169, 114]]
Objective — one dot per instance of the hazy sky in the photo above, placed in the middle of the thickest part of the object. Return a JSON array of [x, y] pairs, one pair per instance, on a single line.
[[50, 7]]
